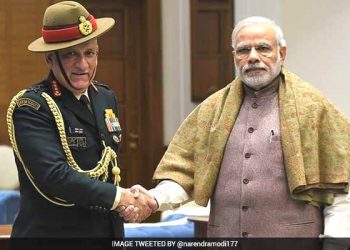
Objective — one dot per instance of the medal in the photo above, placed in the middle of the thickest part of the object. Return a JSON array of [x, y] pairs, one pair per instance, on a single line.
[[112, 121]]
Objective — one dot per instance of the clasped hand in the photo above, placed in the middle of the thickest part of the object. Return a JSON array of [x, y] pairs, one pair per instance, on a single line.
[[136, 204]]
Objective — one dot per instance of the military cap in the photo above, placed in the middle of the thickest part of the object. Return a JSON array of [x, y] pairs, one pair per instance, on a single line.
[[66, 24]]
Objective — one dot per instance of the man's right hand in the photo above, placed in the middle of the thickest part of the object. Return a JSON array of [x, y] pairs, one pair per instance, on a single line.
[[127, 206], [136, 204]]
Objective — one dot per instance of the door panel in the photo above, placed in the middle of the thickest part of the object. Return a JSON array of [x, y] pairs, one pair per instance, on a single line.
[[212, 53]]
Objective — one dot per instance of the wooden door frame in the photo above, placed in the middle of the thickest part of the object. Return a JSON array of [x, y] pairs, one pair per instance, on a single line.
[[151, 89]]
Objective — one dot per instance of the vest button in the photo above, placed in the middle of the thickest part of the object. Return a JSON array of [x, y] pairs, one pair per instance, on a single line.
[[247, 155], [245, 235], [245, 208], [245, 181], [250, 130], [254, 105]]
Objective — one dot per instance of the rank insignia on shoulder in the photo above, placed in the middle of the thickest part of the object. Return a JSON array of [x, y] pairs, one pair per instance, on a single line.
[[112, 121], [28, 102], [55, 88]]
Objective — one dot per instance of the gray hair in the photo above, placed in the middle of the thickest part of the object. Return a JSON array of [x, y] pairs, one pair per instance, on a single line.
[[258, 20]]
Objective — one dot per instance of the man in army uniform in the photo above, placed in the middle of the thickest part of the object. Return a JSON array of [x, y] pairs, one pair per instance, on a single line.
[[65, 134]]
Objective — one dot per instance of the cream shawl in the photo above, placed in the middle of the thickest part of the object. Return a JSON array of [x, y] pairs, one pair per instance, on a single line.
[[315, 142]]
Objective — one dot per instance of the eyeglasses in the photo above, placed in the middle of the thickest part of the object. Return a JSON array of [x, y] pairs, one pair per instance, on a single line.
[[263, 49]]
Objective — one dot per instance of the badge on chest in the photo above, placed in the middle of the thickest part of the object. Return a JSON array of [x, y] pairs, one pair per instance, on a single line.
[[113, 125], [76, 138]]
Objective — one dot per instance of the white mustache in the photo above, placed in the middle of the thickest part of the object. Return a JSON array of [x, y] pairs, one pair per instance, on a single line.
[[254, 66]]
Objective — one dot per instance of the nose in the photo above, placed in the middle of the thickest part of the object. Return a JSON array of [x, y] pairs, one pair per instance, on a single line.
[[82, 62], [253, 56]]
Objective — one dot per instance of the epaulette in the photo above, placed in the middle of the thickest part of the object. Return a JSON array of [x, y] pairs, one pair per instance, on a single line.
[[29, 99], [97, 83], [38, 88]]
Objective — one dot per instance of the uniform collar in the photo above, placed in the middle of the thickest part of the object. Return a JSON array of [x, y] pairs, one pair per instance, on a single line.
[[84, 93]]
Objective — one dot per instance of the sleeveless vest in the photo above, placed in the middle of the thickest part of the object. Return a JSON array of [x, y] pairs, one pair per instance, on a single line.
[[251, 197]]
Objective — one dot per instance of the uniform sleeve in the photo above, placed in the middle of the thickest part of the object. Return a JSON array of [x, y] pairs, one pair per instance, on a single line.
[[40, 148]]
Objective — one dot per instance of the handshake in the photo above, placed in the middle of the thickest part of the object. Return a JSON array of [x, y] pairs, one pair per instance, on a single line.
[[136, 204]]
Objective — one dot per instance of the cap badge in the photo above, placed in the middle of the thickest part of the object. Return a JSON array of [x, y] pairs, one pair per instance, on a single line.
[[85, 26]]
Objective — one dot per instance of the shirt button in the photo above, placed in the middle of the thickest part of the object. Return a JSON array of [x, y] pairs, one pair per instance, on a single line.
[[247, 155], [245, 235], [245, 181], [250, 130], [254, 105], [245, 208]]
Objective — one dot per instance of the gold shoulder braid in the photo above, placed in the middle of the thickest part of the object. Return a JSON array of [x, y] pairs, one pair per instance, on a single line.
[[98, 172]]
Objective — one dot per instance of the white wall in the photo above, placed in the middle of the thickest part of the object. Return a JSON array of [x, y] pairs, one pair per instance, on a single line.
[[176, 65], [318, 39], [267, 8], [318, 44]]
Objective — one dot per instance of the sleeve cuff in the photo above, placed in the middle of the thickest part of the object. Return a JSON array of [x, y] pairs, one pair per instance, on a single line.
[[118, 196]]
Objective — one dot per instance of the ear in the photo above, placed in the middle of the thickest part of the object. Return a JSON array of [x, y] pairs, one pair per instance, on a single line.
[[49, 59], [233, 55], [283, 53]]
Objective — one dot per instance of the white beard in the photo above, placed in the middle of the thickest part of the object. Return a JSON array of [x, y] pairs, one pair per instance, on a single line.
[[263, 79]]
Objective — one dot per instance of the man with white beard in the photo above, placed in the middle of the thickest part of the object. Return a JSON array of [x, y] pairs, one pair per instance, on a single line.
[[270, 152]]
